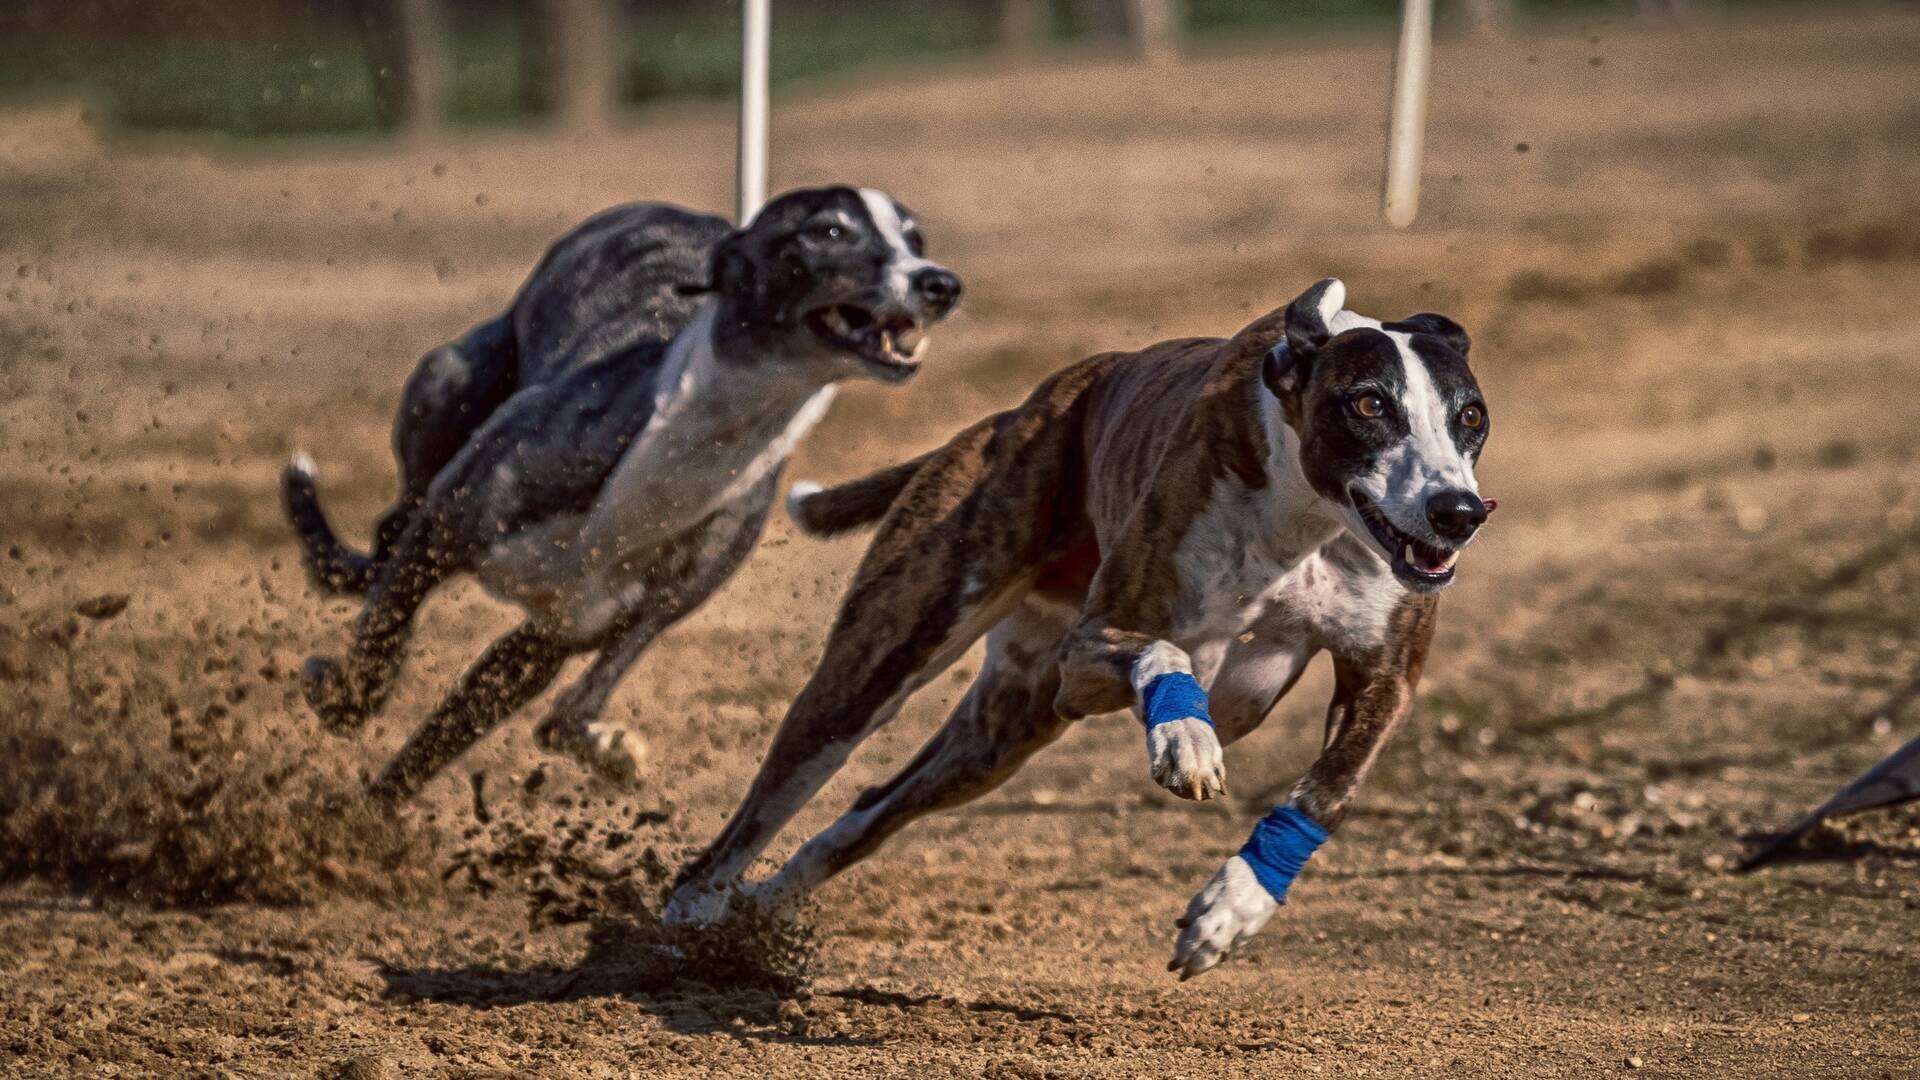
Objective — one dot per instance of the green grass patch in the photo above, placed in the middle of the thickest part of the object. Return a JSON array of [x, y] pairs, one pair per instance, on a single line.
[[292, 87]]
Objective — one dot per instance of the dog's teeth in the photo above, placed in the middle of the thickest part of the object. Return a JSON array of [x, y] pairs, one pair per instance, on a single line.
[[902, 344], [1447, 563], [837, 322], [1407, 554]]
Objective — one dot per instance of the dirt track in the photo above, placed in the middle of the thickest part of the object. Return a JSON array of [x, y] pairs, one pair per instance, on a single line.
[[1692, 302]]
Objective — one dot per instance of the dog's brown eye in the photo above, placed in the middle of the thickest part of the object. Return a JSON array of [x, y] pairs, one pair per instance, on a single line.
[[1472, 417], [1370, 406]]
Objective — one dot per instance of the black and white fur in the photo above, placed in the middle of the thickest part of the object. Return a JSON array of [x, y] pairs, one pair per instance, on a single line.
[[605, 453]]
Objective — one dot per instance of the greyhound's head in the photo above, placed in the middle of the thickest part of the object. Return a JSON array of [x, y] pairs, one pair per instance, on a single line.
[[836, 276], [1390, 424]]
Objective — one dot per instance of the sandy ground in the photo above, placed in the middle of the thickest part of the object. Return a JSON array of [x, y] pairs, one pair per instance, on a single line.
[[1689, 261]]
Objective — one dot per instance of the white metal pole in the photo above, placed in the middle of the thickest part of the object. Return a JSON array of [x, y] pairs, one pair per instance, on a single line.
[[1406, 131], [755, 35]]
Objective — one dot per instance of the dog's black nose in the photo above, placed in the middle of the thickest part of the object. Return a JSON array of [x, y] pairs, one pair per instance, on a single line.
[[940, 289], [1454, 515]]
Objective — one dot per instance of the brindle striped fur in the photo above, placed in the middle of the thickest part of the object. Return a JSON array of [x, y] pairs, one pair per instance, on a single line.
[[1054, 529]]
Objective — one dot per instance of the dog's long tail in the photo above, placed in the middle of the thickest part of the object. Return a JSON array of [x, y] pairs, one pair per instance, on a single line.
[[334, 567], [855, 504]]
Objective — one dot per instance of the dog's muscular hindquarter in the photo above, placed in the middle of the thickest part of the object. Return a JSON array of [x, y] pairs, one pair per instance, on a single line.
[[1197, 514], [618, 280]]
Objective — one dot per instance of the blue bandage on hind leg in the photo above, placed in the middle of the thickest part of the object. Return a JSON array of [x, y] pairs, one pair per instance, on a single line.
[[1174, 696], [1280, 845]]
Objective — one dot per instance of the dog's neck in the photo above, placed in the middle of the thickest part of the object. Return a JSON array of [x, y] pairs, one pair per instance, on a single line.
[[719, 397], [731, 330], [722, 423], [715, 359], [1299, 522]]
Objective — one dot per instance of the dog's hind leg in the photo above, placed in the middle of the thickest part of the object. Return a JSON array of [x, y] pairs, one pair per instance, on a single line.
[[517, 667], [345, 693], [865, 677], [1006, 716], [963, 544], [513, 670], [451, 392]]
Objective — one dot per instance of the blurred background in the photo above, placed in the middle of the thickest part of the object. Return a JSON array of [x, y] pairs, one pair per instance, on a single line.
[[307, 67], [1685, 239]]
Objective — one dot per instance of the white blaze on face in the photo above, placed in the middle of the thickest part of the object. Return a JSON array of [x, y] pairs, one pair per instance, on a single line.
[[901, 267], [1428, 461]]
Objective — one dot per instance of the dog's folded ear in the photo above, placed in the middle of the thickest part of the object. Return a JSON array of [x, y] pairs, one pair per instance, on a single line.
[[1310, 316], [1439, 326], [1305, 326], [734, 273]]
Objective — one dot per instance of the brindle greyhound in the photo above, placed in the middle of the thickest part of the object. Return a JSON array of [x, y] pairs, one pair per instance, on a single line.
[[1201, 513], [605, 453]]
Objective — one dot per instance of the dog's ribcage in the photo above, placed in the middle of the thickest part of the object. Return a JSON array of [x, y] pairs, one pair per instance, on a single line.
[[715, 434]]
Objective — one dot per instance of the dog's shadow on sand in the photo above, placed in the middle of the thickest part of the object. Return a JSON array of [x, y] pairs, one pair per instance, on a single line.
[[730, 979], [748, 983], [1823, 842]]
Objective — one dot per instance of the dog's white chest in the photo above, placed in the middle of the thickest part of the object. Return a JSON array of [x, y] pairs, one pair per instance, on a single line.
[[706, 445], [1291, 581], [713, 436]]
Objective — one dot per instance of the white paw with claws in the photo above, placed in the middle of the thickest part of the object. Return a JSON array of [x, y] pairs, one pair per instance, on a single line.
[[1186, 759], [1232, 908], [607, 750]]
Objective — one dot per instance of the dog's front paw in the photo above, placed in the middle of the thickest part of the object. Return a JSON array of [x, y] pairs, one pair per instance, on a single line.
[[339, 704], [1232, 908], [1186, 759], [609, 751]]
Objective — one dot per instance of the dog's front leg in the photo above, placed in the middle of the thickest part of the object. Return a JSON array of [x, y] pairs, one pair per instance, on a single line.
[[1372, 696], [1106, 669]]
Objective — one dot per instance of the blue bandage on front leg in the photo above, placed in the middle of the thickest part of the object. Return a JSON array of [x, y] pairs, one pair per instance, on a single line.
[[1174, 696], [1280, 845]]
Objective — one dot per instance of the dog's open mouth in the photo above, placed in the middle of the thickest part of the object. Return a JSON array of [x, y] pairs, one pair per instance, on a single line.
[[1417, 562], [891, 343]]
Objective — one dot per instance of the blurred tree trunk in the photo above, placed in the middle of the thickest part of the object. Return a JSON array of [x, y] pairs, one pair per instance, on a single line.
[[1667, 9], [1101, 20], [405, 45], [1154, 28], [568, 61], [1023, 25], [1486, 16], [1151, 27]]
